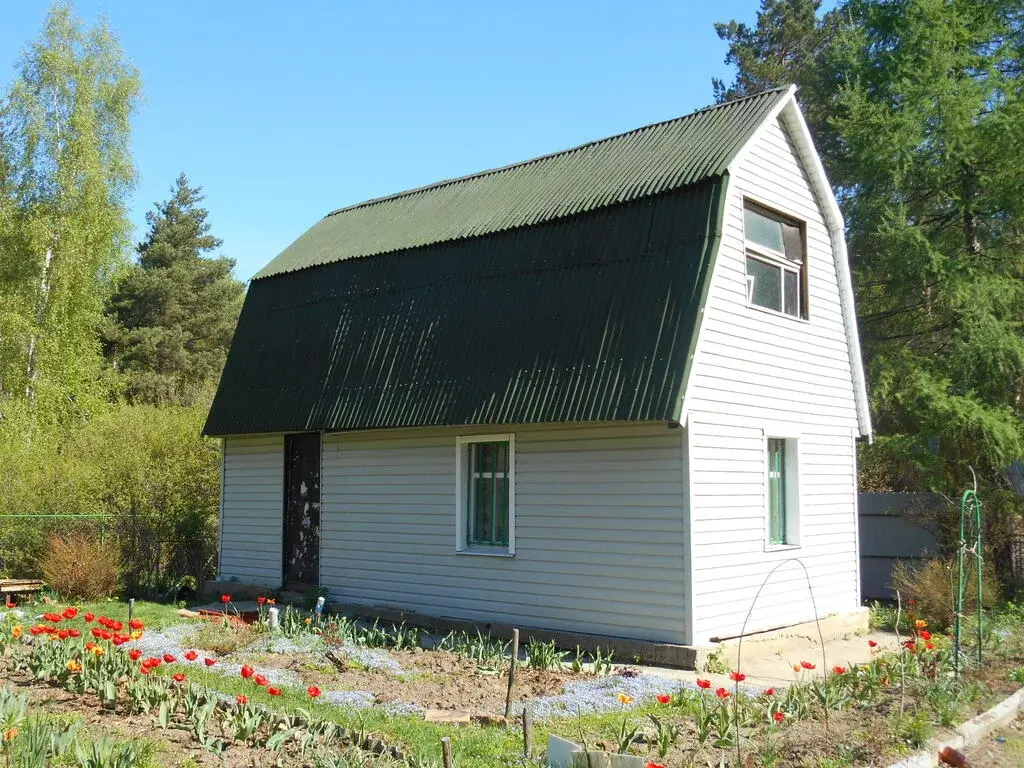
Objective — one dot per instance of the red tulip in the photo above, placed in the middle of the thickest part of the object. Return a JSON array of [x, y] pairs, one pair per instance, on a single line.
[[241, 699], [247, 671], [179, 677], [153, 662], [144, 669], [261, 600], [89, 617], [872, 644], [11, 606], [779, 717], [209, 662], [169, 659], [705, 684], [930, 646], [225, 599], [134, 654], [274, 691], [96, 632], [839, 670], [722, 693], [925, 634], [655, 765], [136, 624], [106, 634], [64, 634], [663, 698], [70, 613], [738, 677], [313, 691], [74, 633], [806, 665], [260, 680], [117, 626], [191, 655]]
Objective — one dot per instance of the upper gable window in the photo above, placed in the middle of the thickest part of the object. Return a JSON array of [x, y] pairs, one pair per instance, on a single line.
[[776, 261]]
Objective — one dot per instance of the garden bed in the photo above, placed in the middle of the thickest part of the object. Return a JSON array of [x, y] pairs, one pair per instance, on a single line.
[[377, 685]]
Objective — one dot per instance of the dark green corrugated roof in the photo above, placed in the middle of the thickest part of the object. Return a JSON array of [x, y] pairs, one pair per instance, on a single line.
[[585, 318], [565, 289], [643, 162]]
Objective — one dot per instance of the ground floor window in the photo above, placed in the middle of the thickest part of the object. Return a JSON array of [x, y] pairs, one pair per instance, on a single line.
[[485, 494], [783, 499]]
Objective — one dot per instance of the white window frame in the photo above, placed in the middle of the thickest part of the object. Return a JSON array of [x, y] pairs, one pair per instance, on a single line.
[[774, 258], [462, 545], [794, 497]]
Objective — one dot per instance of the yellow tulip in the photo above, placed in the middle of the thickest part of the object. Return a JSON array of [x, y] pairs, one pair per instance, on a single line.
[[16, 631]]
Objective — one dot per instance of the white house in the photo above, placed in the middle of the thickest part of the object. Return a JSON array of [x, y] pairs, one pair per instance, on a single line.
[[604, 391]]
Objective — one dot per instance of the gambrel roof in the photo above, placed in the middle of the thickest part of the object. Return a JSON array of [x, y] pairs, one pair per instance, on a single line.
[[567, 288]]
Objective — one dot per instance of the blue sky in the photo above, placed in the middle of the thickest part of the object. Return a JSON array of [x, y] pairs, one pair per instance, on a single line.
[[286, 111]]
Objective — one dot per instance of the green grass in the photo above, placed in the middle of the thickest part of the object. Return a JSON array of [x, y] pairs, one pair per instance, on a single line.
[[154, 615]]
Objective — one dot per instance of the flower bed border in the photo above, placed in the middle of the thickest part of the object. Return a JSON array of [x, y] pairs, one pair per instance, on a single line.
[[967, 734]]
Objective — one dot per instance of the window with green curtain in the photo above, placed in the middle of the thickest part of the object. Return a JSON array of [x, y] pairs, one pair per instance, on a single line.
[[487, 497], [777, 491]]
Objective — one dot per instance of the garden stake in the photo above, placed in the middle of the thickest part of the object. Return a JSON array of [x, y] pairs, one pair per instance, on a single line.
[[446, 751], [512, 674], [527, 732], [131, 610], [970, 506]]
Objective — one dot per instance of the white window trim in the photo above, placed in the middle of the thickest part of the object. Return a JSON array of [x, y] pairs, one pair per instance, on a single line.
[[462, 546], [794, 494], [773, 258]]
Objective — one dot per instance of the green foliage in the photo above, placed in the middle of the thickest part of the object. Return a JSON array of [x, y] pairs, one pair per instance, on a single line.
[[145, 467], [65, 173], [173, 314]]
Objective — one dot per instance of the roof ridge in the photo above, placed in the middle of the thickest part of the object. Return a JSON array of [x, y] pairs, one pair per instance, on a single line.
[[549, 155]]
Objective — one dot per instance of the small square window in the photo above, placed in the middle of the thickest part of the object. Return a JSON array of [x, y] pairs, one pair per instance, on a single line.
[[485, 494], [776, 262], [783, 499]]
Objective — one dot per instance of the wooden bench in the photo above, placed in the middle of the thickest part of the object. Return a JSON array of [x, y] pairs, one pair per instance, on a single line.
[[14, 587]]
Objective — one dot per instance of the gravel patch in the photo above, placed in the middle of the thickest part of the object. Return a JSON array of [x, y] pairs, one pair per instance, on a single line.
[[157, 642], [276, 677], [371, 658], [280, 644], [601, 694], [353, 699], [402, 709]]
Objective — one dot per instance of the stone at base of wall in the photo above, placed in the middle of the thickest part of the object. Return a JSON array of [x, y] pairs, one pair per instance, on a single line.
[[835, 626]]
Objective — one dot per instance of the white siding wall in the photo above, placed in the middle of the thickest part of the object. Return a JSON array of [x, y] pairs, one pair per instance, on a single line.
[[599, 530], [756, 373], [251, 509]]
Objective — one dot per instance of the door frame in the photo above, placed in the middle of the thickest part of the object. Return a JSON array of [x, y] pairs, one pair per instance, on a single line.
[[284, 507]]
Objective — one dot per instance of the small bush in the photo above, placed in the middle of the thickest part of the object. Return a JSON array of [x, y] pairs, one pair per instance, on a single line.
[[81, 567], [931, 585]]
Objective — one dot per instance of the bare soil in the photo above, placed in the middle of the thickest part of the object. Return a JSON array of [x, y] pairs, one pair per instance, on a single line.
[[430, 679]]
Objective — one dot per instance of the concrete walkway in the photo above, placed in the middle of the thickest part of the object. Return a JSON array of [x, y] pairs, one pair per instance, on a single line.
[[770, 663]]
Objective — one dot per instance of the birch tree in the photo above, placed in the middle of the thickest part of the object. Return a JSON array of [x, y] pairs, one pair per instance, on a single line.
[[65, 174]]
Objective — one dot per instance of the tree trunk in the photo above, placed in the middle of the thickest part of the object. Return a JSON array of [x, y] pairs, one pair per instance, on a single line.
[[42, 304]]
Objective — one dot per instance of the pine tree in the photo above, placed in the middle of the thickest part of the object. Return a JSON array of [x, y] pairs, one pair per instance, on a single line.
[[65, 174], [919, 110], [173, 314]]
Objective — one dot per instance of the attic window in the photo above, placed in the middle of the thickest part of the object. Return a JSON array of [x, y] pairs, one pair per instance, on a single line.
[[776, 261]]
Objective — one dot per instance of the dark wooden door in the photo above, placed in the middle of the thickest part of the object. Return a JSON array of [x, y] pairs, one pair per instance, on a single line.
[[302, 510]]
